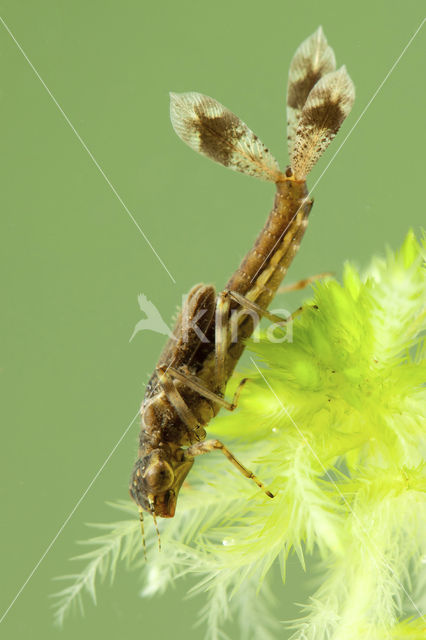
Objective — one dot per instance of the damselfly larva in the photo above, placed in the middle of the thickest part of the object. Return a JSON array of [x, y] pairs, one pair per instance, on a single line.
[[187, 388]]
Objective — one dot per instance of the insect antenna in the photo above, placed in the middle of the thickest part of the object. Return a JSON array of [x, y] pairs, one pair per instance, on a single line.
[[154, 517], [143, 533]]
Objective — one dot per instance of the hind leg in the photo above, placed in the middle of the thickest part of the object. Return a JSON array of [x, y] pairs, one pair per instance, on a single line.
[[223, 322], [301, 284], [198, 385]]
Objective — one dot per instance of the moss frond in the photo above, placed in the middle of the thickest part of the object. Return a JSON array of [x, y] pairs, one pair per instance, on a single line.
[[333, 423], [120, 542]]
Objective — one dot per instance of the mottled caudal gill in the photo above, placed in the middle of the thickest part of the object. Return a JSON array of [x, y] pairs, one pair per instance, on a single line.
[[265, 265]]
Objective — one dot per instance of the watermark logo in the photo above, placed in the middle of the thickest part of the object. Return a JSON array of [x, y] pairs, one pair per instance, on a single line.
[[276, 332], [153, 320]]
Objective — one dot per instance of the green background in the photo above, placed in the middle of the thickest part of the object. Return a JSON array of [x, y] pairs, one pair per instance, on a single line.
[[72, 262]]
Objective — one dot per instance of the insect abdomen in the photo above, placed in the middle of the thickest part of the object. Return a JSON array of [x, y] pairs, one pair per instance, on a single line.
[[265, 265]]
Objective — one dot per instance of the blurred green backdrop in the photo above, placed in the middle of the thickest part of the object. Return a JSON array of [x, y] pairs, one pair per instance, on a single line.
[[72, 261]]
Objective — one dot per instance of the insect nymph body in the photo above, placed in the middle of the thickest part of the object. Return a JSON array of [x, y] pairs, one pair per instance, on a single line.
[[187, 388]]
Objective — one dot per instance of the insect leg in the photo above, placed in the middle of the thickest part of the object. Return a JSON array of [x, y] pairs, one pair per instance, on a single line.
[[179, 404], [301, 284], [198, 385], [221, 337], [210, 445], [252, 306]]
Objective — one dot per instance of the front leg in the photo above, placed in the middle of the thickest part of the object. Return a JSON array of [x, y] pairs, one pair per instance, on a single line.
[[207, 446], [184, 412]]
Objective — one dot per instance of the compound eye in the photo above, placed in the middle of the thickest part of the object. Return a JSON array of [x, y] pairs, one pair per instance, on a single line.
[[159, 476]]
